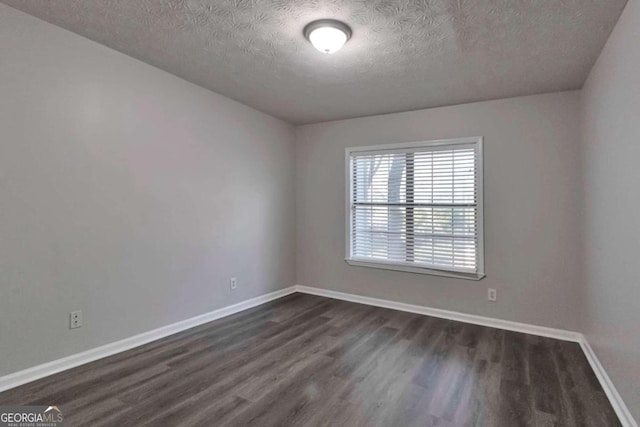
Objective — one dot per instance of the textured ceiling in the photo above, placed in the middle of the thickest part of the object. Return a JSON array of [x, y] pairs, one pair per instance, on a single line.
[[404, 54]]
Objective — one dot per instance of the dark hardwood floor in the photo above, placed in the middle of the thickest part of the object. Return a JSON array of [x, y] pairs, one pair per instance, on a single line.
[[311, 361]]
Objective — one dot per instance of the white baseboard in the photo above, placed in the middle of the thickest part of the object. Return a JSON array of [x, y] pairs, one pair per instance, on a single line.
[[614, 397], [543, 331], [50, 368], [612, 393], [40, 371]]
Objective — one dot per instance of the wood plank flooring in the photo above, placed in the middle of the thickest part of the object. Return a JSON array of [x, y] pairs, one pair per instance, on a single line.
[[310, 361]]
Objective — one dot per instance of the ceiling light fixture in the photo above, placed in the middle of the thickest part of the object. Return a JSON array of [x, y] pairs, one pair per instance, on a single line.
[[327, 35]]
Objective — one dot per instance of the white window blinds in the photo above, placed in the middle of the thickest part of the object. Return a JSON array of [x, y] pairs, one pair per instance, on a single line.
[[417, 205]]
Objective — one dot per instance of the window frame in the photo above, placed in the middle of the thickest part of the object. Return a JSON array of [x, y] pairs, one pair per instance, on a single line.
[[407, 266]]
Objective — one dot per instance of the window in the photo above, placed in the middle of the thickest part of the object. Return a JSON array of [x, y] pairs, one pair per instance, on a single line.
[[417, 207]]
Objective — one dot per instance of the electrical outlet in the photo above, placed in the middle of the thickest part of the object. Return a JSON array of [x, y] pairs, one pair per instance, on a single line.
[[233, 283], [492, 295], [75, 319]]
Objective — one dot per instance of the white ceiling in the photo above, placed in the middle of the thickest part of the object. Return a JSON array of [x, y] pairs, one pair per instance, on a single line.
[[404, 54]]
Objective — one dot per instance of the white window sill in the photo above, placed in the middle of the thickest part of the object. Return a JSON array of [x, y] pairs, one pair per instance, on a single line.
[[417, 270]]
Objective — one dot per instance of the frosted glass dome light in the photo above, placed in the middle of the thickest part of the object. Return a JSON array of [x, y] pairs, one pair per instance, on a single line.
[[327, 35]]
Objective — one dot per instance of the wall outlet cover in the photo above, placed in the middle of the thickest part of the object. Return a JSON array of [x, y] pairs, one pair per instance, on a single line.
[[75, 319]]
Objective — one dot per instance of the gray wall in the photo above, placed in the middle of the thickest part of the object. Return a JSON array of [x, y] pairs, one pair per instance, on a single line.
[[127, 193], [611, 133], [532, 208]]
